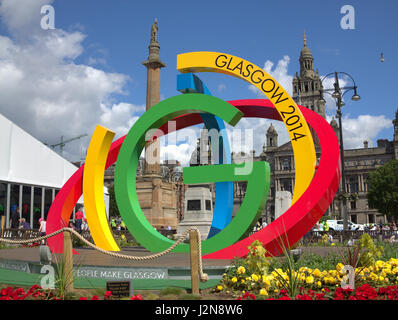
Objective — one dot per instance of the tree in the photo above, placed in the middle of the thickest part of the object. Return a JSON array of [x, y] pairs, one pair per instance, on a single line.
[[383, 189], [113, 209]]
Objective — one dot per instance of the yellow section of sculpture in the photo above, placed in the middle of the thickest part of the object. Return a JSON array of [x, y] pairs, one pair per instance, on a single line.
[[93, 189], [299, 132]]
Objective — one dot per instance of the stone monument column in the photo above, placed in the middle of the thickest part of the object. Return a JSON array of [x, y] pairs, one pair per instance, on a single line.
[[153, 65]]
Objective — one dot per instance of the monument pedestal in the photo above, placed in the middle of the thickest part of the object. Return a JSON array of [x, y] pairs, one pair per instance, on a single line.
[[198, 210], [283, 200], [159, 201]]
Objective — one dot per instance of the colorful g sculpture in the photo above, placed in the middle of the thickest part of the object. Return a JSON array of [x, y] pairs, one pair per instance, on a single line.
[[312, 194], [224, 202]]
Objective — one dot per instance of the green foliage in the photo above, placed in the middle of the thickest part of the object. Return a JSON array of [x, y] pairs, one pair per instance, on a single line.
[[371, 252], [123, 242], [151, 296], [237, 262], [325, 239], [172, 291], [190, 297], [383, 189], [63, 279], [310, 260], [256, 261], [77, 243], [390, 250], [292, 283]]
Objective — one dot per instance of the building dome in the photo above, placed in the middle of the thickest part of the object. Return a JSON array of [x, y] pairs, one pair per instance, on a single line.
[[305, 52]]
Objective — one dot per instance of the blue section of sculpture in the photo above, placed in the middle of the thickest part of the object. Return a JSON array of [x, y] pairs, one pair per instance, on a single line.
[[222, 214]]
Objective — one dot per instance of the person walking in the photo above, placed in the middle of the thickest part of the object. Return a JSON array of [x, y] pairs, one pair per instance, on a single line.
[[42, 228], [79, 220]]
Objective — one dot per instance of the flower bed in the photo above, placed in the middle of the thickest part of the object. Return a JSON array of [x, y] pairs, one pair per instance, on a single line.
[[364, 292], [251, 279], [34, 293], [38, 293]]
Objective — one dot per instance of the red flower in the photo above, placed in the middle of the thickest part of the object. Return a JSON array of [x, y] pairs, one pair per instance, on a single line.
[[320, 296], [303, 297], [137, 297], [94, 298], [285, 298], [108, 295], [283, 292]]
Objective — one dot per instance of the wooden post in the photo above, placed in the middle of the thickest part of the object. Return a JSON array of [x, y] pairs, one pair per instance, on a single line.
[[194, 252], [3, 221], [68, 262]]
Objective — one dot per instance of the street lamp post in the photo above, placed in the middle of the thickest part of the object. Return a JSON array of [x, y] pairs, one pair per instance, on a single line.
[[338, 93]]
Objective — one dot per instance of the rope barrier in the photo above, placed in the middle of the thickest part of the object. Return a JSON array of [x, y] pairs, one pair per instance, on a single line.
[[203, 276]]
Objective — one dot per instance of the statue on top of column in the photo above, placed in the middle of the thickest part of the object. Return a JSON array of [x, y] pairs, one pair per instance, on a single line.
[[154, 31]]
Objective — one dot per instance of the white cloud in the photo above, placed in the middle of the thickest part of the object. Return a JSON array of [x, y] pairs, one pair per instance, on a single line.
[[240, 141], [364, 127], [119, 117], [22, 17], [280, 74], [46, 93]]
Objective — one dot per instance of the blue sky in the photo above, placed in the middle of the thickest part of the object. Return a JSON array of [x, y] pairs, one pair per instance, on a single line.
[[111, 38]]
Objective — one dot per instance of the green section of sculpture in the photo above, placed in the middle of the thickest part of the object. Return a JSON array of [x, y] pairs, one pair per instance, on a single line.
[[126, 167]]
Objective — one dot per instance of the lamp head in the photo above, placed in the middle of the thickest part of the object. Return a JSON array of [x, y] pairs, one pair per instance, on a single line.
[[355, 97]]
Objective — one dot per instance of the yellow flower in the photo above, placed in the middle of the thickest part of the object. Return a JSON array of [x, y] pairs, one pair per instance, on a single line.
[[254, 277], [339, 266], [219, 288], [263, 292], [266, 281], [309, 280], [234, 279], [242, 281], [316, 273], [319, 284], [329, 280], [333, 244], [241, 270]]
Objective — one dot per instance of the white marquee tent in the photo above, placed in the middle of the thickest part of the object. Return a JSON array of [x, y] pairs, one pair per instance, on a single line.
[[30, 173]]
